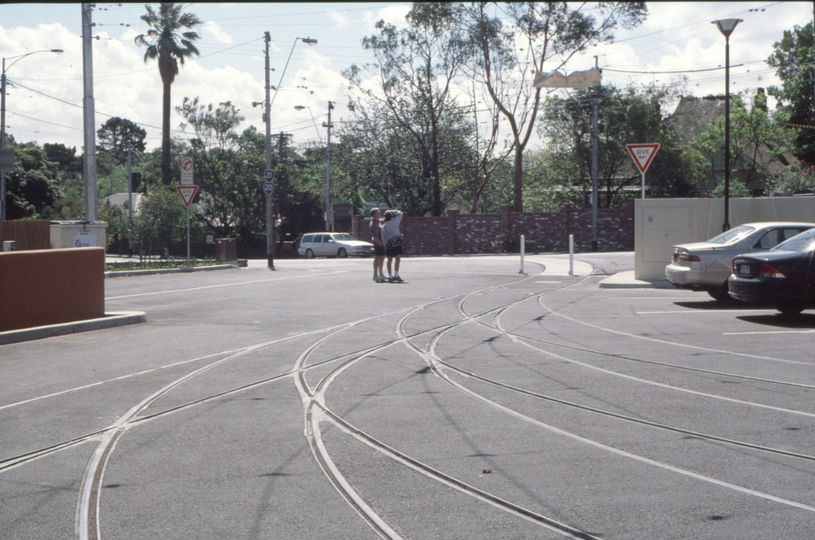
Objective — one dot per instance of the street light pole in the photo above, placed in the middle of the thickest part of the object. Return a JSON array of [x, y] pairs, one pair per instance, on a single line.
[[328, 126], [726, 27], [3, 120]]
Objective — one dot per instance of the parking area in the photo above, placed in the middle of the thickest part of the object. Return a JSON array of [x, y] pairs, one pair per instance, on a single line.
[[471, 401]]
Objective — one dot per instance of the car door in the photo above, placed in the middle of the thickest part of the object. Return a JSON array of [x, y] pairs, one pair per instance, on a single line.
[[317, 246]]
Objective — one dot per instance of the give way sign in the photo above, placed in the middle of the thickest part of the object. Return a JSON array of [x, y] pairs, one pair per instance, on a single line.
[[643, 154], [187, 193]]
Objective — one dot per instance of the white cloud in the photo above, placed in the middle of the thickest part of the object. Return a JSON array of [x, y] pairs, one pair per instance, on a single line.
[[213, 29]]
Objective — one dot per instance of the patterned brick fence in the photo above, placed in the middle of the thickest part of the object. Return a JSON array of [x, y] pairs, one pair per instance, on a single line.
[[457, 233]]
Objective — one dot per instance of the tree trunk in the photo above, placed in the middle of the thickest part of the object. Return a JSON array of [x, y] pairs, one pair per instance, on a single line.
[[166, 171], [517, 203]]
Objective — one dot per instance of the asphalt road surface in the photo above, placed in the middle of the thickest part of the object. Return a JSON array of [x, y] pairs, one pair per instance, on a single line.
[[469, 402]]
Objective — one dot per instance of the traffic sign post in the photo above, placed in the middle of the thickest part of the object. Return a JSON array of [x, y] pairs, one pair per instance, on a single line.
[[643, 155], [187, 195]]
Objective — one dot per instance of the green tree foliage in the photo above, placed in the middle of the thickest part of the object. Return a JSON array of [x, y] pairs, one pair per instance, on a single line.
[[415, 69], [529, 38], [165, 43], [161, 221], [562, 175], [300, 188], [228, 169], [70, 183], [793, 61], [31, 188], [758, 139], [115, 138]]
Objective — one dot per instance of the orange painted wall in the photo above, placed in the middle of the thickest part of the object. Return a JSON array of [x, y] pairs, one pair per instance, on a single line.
[[51, 286]]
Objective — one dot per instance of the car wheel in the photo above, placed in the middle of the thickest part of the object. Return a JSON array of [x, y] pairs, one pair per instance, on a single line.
[[720, 294], [342, 253], [309, 254], [790, 309]]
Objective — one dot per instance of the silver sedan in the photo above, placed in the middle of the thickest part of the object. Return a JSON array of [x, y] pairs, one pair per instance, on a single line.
[[705, 266]]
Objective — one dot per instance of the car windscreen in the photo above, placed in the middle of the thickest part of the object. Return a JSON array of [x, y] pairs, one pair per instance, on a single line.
[[344, 237], [733, 235], [800, 242]]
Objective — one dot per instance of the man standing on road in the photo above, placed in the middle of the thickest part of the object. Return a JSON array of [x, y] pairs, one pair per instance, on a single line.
[[379, 246], [390, 230]]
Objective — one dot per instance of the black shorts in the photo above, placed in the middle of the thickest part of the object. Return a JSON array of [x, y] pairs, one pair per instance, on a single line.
[[379, 251], [393, 252]]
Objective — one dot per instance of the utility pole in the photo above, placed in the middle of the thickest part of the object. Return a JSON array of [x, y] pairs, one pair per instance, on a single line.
[[328, 126], [594, 166], [129, 196], [270, 240], [91, 210]]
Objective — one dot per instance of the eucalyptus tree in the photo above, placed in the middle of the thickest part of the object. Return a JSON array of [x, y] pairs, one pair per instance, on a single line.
[[228, 168], [518, 40], [415, 68], [170, 46], [794, 60]]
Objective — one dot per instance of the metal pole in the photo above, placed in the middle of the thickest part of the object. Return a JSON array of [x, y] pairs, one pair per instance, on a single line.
[[523, 249], [328, 126], [270, 243], [643, 184], [3, 140], [129, 188], [91, 210], [188, 235], [571, 254], [594, 167], [726, 225]]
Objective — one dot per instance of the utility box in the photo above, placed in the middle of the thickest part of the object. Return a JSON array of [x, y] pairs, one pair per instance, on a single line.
[[69, 234], [9, 245], [226, 250]]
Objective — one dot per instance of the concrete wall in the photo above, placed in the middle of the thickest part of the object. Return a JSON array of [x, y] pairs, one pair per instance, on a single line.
[[659, 224], [52, 286]]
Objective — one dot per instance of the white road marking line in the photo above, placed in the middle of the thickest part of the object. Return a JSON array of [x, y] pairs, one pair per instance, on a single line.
[[694, 311], [768, 332], [223, 285]]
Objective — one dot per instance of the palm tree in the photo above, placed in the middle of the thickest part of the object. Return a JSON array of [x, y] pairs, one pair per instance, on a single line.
[[164, 43]]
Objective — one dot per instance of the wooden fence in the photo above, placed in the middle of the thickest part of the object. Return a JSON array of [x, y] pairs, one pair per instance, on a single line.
[[28, 234]]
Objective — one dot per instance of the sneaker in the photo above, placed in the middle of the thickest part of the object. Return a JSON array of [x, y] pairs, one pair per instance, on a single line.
[[380, 279], [391, 279], [397, 278]]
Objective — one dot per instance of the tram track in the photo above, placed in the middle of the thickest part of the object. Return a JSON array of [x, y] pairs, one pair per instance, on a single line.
[[317, 411]]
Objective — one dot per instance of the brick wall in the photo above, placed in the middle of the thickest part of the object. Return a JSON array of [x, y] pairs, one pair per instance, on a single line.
[[457, 233]]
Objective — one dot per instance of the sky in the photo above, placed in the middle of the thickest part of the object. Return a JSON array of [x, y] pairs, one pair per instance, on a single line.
[[45, 92]]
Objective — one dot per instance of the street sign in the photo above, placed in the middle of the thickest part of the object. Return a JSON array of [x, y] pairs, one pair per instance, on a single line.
[[268, 183], [187, 168], [643, 154], [187, 194]]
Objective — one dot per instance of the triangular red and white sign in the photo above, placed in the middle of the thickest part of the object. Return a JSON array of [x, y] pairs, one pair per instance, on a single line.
[[643, 154], [187, 193]]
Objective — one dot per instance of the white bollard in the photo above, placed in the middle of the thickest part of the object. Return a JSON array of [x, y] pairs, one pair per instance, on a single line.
[[522, 255], [571, 254]]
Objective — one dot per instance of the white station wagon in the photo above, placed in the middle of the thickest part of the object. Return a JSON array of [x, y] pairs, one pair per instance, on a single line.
[[328, 244]]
